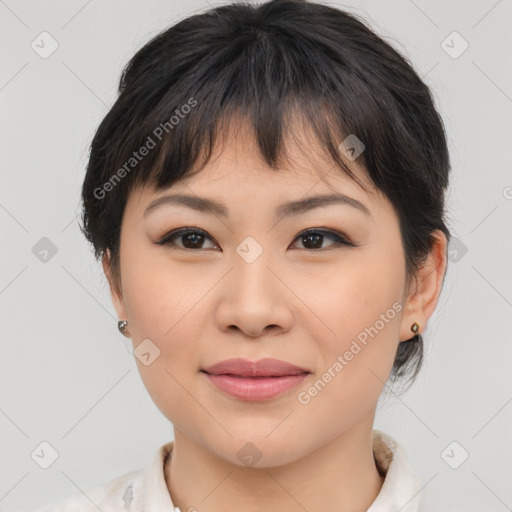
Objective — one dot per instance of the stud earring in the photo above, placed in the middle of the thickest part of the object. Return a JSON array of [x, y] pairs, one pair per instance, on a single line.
[[121, 325], [415, 328]]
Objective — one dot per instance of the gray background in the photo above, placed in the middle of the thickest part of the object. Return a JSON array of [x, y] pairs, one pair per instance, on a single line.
[[67, 375]]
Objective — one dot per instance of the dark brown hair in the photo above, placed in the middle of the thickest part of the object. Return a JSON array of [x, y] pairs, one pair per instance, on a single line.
[[263, 63]]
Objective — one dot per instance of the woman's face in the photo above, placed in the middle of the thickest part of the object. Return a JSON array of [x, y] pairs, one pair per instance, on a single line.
[[252, 285]]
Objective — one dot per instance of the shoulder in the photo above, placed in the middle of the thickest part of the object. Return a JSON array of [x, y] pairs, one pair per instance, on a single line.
[[115, 495]]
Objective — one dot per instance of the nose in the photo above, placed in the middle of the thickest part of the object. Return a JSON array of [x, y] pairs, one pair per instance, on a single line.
[[255, 299]]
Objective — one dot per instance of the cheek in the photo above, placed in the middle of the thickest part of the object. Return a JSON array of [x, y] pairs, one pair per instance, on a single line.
[[357, 349], [354, 296], [357, 317], [163, 306], [160, 294]]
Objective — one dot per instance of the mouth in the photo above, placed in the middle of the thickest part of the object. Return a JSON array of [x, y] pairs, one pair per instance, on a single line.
[[255, 381]]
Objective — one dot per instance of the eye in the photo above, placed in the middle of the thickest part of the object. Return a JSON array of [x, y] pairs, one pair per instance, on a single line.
[[191, 238], [313, 238], [194, 238]]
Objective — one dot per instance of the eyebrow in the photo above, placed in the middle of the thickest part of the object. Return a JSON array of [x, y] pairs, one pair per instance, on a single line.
[[292, 208]]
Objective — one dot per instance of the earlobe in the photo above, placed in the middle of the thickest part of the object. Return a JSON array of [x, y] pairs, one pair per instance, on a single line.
[[428, 282]]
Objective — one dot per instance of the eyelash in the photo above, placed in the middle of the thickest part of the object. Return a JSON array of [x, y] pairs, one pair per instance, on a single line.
[[340, 239]]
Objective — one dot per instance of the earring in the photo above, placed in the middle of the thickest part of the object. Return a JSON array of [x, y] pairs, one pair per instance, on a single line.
[[415, 328], [121, 325]]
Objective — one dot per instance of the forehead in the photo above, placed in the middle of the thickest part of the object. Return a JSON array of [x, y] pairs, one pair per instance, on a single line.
[[236, 172]]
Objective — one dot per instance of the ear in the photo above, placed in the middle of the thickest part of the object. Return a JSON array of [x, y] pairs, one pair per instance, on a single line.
[[423, 297], [115, 287]]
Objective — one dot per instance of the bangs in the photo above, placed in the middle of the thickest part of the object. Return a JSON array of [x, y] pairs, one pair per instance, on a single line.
[[264, 80]]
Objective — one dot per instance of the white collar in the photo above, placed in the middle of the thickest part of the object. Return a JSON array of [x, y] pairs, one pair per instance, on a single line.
[[402, 486]]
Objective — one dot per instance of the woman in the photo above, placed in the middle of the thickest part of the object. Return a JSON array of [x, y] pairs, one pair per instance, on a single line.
[[267, 198]]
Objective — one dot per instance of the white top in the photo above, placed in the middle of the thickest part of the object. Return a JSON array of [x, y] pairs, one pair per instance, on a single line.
[[145, 490]]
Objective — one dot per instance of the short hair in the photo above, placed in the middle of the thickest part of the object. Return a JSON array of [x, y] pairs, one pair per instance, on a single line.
[[264, 63]]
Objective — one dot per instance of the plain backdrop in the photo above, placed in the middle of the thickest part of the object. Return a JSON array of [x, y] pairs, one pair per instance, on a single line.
[[67, 376]]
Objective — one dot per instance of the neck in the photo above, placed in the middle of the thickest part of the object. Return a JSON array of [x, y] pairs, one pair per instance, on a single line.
[[339, 476]]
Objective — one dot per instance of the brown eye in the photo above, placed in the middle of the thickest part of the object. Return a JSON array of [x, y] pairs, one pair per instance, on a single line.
[[190, 239], [313, 239]]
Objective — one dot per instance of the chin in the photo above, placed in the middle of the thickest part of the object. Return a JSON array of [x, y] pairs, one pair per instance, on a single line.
[[258, 451]]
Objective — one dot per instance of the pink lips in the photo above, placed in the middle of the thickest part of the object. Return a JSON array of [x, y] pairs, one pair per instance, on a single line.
[[255, 381]]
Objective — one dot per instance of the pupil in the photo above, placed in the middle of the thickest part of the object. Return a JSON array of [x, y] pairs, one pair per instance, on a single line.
[[316, 239], [195, 238]]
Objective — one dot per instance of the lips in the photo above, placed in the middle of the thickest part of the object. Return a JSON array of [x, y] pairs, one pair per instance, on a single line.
[[255, 381], [262, 368]]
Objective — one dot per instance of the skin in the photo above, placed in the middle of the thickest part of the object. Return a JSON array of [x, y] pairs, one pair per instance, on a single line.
[[206, 304]]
